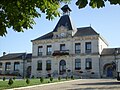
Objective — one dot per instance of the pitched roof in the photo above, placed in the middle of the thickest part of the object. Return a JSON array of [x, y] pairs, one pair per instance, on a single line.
[[29, 56], [85, 31], [110, 51], [46, 36], [66, 22], [15, 56]]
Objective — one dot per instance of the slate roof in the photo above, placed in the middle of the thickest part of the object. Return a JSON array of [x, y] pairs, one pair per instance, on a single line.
[[65, 8], [46, 36], [85, 31], [29, 56], [13, 56], [64, 21], [110, 51]]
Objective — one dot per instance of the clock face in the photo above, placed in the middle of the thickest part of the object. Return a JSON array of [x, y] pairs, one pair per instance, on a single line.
[[62, 34]]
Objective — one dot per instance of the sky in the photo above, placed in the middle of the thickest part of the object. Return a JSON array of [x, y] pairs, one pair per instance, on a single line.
[[105, 21]]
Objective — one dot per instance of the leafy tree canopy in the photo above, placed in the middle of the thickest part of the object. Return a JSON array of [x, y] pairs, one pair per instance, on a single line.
[[95, 3], [20, 14]]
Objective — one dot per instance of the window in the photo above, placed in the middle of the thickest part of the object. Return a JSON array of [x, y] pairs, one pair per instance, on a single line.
[[77, 64], [49, 50], [7, 66], [0, 65], [77, 48], [16, 66], [88, 47], [88, 63], [40, 51], [39, 65], [62, 47], [48, 65]]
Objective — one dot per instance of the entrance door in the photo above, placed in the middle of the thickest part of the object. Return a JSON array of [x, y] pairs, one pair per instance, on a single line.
[[62, 67], [28, 71], [109, 72]]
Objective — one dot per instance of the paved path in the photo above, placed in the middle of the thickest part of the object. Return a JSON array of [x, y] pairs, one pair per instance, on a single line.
[[81, 84]]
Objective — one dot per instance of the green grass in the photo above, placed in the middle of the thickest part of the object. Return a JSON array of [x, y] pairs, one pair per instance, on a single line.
[[22, 83]]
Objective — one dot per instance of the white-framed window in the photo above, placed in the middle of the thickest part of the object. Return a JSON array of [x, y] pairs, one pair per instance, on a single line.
[[62, 47], [48, 65], [88, 63], [77, 47], [0, 65], [49, 49], [88, 47], [16, 66], [7, 66], [40, 50], [39, 65], [77, 64]]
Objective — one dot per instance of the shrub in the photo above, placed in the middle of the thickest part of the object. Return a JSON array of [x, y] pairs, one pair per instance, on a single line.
[[41, 79], [33, 77], [27, 81], [13, 78], [72, 77], [51, 79], [66, 77], [59, 78], [4, 78], [10, 82]]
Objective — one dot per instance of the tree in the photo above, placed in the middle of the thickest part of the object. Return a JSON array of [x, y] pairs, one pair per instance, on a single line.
[[95, 3], [19, 14]]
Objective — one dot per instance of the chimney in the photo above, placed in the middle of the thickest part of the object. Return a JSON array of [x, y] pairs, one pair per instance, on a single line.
[[4, 53]]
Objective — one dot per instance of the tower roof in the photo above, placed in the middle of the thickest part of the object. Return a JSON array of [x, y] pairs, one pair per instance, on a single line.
[[66, 22], [65, 9]]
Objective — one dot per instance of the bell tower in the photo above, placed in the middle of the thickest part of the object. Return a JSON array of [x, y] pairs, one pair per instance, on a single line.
[[66, 10]]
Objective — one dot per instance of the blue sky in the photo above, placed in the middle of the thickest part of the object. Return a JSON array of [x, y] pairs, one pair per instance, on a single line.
[[105, 21]]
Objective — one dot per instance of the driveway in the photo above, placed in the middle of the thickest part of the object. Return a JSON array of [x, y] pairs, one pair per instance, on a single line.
[[81, 84]]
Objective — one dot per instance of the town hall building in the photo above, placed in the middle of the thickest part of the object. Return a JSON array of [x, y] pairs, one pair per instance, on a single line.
[[71, 51]]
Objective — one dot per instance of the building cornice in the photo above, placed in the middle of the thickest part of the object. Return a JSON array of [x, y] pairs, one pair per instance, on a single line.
[[92, 37]]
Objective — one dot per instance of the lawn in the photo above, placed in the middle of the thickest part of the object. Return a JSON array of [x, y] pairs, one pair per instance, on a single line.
[[22, 83]]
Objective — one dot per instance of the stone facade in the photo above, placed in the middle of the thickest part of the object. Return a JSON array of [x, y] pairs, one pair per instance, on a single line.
[[66, 51], [71, 50], [16, 64]]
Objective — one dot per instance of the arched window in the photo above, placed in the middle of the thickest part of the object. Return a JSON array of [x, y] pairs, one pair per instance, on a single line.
[[39, 65], [62, 66]]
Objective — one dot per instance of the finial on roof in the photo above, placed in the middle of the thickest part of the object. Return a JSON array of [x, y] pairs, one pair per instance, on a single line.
[[90, 25], [66, 10]]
